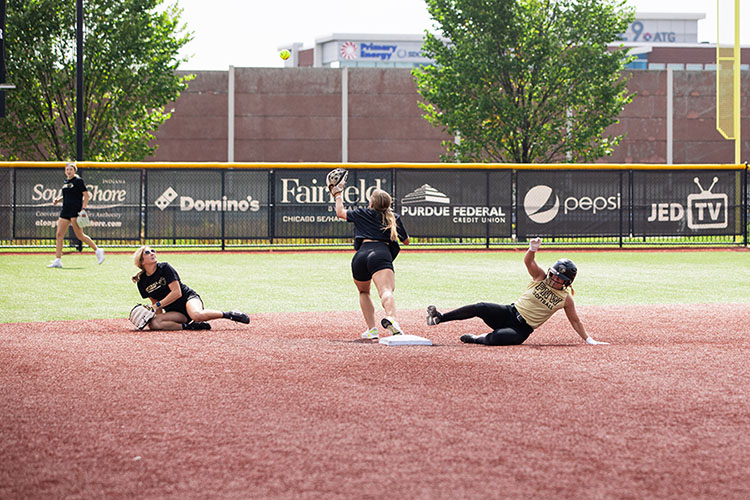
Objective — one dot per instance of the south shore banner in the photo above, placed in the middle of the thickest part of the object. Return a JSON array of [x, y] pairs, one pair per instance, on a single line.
[[114, 206]]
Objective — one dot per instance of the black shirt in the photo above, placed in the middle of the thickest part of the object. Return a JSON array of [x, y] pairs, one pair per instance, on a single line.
[[156, 286], [72, 192], [368, 225]]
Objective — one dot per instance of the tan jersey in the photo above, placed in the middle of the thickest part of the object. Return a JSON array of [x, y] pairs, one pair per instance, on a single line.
[[539, 302]]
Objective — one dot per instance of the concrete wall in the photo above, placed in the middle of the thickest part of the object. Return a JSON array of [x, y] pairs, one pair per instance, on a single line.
[[294, 115]]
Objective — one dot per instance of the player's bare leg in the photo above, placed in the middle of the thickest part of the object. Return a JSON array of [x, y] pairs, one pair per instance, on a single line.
[[83, 236], [365, 303]]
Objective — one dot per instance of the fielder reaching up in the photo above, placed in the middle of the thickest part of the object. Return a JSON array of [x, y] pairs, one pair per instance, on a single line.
[[178, 307], [377, 233], [512, 324]]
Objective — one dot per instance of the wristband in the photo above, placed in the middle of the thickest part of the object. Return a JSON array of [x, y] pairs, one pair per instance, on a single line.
[[158, 304]]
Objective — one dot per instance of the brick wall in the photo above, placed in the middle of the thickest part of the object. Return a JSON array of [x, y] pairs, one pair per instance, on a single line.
[[294, 115]]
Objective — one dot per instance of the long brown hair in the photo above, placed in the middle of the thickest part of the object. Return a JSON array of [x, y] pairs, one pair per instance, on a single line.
[[138, 261], [381, 201]]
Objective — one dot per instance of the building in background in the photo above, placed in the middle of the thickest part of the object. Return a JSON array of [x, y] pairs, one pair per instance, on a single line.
[[656, 39], [313, 111]]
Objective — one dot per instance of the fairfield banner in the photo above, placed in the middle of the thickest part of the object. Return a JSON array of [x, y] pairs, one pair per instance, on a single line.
[[672, 203], [572, 203], [303, 207], [455, 203], [114, 207], [207, 204]]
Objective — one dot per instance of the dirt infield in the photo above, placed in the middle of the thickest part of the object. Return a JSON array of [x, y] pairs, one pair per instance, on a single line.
[[291, 407]]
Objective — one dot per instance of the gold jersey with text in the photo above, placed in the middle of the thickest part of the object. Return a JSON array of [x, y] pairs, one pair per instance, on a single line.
[[539, 302]]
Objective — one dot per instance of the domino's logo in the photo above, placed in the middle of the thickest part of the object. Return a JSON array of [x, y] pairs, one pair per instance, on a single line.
[[167, 197]]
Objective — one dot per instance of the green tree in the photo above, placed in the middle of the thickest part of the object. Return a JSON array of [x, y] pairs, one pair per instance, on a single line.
[[525, 81], [130, 63]]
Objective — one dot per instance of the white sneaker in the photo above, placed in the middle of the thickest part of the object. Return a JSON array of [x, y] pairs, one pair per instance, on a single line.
[[99, 255], [55, 263], [372, 333], [391, 325]]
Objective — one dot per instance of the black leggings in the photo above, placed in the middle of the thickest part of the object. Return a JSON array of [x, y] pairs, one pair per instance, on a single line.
[[507, 330]]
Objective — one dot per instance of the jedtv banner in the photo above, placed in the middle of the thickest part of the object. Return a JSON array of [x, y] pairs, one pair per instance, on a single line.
[[686, 203]]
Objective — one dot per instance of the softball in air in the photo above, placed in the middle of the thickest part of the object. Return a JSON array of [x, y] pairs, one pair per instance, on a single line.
[[285, 54]]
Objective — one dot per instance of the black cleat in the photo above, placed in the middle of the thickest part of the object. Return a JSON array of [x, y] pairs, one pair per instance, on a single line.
[[237, 316], [469, 339], [196, 325], [433, 316]]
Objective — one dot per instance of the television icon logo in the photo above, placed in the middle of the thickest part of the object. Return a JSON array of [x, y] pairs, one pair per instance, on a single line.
[[707, 210], [166, 198]]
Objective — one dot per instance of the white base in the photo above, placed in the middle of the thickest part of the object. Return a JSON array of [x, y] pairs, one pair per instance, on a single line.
[[405, 340]]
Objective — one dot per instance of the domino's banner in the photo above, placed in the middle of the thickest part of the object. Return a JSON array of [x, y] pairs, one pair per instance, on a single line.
[[303, 207], [455, 203], [672, 203], [114, 206], [207, 204], [571, 203]]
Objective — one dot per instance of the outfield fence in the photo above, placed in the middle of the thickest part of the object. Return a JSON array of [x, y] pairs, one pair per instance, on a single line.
[[230, 205]]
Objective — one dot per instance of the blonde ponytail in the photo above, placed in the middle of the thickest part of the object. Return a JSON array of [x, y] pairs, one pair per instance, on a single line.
[[138, 261], [381, 201]]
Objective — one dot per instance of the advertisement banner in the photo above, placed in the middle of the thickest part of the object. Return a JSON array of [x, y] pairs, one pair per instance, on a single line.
[[305, 209], [206, 204], [455, 203], [571, 203], [114, 207], [669, 203], [6, 204]]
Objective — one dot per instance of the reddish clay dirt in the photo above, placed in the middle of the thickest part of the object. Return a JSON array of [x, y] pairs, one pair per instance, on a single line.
[[291, 407]]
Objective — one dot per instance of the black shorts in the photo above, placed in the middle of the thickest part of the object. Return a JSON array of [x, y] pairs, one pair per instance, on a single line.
[[372, 256], [69, 212], [180, 305]]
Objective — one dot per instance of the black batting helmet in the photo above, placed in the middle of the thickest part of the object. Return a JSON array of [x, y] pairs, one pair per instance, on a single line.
[[564, 269]]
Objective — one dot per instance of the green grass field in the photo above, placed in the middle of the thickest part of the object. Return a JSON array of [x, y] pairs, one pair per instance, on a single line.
[[280, 282]]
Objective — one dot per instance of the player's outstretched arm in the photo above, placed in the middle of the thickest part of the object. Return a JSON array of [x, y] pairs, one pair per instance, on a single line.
[[536, 272], [577, 324], [340, 210]]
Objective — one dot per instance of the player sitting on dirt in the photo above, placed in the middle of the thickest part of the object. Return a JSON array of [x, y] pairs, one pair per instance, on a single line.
[[178, 307]]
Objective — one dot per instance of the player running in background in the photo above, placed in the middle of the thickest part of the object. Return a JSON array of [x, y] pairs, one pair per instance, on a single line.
[[512, 324], [178, 307], [377, 233], [75, 197]]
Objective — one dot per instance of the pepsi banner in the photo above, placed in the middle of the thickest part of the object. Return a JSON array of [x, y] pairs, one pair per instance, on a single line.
[[671, 203], [455, 203], [207, 204], [554, 203], [303, 207], [114, 205]]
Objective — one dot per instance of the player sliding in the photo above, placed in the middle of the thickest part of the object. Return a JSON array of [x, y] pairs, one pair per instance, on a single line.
[[178, 307], [377, 231], [512, 324]]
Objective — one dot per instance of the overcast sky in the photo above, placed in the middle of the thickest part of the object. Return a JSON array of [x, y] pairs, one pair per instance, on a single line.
[[247, 33]]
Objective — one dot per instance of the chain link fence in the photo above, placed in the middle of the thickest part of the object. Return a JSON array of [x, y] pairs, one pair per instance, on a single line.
[[246, 206]]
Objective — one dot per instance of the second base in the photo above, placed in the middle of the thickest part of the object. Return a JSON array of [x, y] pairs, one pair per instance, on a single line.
[[405, 340]]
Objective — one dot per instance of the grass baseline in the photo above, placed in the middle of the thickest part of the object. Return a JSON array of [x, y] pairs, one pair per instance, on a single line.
[[267, 282]]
